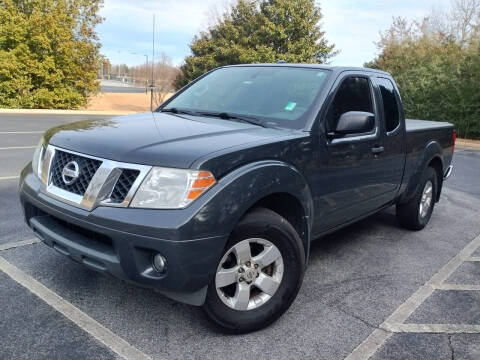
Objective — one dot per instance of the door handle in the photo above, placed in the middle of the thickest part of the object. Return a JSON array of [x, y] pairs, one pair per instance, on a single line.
[[378, 149]]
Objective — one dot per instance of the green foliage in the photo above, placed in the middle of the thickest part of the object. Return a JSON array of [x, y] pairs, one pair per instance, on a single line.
[[438, 76], [48, 53], [259, 31]]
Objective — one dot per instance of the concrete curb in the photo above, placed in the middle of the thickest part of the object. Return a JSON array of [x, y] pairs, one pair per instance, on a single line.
[[467, 144], [65, 112]]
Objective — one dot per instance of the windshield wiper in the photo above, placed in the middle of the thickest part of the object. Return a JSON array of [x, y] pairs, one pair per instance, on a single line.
[[175, 110], [223, 115], [228, 116]]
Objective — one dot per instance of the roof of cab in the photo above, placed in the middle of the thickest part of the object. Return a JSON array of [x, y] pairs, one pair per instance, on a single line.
[[336, 69]]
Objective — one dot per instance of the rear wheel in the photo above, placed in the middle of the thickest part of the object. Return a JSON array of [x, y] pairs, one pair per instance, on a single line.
[[416, 213], [259, 274]]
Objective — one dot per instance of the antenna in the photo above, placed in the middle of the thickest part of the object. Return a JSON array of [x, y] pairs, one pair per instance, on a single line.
[[152, 84]]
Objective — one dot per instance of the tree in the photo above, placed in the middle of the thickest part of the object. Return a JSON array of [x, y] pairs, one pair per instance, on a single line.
[[436, 64], [49, 52], [165, 75], [105, 65], [255, 31]]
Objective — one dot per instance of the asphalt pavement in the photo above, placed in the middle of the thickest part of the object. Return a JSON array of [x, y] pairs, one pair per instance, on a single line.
[[372, 290], [112, 86]]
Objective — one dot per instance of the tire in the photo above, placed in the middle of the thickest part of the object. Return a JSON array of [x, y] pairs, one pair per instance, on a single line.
[[415, 215], [264, 231]]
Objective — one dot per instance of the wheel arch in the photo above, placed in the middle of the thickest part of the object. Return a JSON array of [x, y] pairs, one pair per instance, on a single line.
[[437, 164], [431, 157], [290, 208], [272, 184]]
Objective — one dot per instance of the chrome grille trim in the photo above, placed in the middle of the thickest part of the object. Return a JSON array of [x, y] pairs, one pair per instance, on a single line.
[[87, 166], [100, 187]]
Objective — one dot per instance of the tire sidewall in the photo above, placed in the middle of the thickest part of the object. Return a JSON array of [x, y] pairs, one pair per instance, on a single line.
[[268, 225], [431, 175]]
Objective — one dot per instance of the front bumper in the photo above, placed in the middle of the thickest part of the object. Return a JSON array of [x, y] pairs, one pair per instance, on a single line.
[[122, 241]]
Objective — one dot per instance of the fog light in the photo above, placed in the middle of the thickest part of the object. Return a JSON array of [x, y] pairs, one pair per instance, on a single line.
[[159, 263]]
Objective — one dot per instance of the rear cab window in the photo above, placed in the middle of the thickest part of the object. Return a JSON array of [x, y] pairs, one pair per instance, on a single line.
[[390, 104]]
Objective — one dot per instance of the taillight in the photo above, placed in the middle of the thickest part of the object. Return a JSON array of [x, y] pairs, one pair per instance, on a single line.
[[454, 138]]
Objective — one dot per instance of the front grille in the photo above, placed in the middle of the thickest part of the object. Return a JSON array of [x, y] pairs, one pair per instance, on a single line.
[[87, 168], [123, 185]]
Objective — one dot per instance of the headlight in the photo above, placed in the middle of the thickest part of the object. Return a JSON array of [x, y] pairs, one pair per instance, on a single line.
[[167, 188], [37, 161]]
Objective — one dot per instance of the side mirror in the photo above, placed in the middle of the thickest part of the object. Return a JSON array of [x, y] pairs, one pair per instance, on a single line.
[[355, 122]]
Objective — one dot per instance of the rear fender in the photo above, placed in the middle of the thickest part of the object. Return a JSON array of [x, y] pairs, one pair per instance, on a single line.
[[432, 150]]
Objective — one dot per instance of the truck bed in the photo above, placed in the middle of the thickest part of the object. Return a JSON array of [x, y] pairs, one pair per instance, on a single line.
[[413, 125]]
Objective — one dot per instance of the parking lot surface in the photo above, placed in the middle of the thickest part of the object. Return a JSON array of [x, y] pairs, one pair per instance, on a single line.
[[372, 290]]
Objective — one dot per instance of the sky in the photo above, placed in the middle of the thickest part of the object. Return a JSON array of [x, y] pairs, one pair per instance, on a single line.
[[353, 26]]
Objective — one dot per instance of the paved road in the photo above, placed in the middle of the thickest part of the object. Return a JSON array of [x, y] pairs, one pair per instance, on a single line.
[[110, 86], [357, 278], [117, 89]]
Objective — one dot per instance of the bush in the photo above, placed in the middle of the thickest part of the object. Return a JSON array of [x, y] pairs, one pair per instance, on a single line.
[[438, 74], [49, 53]]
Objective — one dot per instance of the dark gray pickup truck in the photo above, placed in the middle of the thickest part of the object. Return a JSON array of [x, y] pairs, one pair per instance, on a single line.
[[214, 198]]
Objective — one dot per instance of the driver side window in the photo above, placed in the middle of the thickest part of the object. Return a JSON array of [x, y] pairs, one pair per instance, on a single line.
[[354, 94]]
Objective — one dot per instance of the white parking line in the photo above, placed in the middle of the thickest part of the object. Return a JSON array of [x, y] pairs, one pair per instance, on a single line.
[[434, 328], [13, 245], [378, 337], [20, 132], [17, 147], [9, 177], [82, 320], [458, 287]]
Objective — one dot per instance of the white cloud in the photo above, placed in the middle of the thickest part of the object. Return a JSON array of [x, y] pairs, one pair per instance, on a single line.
[[127, 27], [181, 16]]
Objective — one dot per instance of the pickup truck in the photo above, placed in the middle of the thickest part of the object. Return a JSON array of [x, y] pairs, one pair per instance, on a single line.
[[214, 198]]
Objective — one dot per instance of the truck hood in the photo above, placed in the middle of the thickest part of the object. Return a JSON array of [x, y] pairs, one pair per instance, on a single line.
[[156, 138]]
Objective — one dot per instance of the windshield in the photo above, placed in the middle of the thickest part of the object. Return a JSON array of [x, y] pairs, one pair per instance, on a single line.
[[275, 95]]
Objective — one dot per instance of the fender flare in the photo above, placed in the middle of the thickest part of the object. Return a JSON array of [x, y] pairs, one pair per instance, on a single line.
[[432, 151], [234, 194]]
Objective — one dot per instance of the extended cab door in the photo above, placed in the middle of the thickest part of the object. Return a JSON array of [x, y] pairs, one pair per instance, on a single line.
[[357, 176], [393, 133]]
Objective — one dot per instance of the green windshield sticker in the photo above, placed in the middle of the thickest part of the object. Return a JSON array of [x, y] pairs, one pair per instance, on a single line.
[[290, 106], [320, 74]]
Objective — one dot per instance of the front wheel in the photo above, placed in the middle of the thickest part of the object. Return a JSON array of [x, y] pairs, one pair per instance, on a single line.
[[416, 213], [259, 274]]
